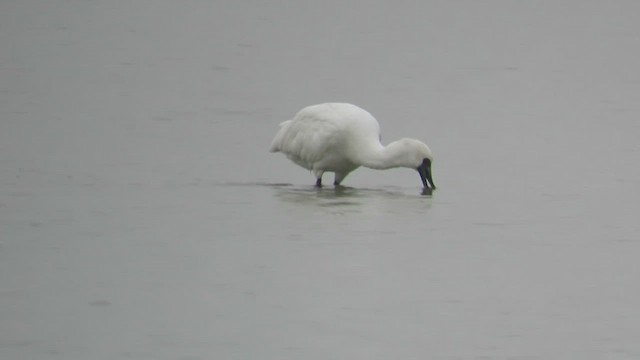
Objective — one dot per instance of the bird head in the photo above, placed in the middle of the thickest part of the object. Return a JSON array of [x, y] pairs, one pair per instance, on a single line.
[[415, 154]]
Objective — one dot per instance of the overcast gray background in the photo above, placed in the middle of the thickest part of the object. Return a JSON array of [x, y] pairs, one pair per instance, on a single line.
[[142, 217]]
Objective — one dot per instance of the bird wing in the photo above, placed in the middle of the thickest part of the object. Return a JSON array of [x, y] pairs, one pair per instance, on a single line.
[[276, 143], [306, 139]]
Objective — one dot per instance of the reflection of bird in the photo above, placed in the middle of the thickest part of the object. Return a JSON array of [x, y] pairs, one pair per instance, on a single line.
[[338, 138]]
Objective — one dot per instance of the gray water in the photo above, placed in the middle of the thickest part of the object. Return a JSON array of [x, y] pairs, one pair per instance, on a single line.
[[142, 217]]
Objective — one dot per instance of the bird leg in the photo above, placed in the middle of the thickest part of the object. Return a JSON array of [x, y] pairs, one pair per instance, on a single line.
[[318, 175], [338, 178]]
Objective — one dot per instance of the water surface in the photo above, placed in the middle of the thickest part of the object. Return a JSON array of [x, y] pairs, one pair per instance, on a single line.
[[142, 217]]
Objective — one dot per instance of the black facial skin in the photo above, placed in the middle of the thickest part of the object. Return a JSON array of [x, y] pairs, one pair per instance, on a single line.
[[425, 174]]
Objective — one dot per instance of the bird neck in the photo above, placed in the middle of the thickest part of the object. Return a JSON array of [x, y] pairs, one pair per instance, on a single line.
[[382, 157]]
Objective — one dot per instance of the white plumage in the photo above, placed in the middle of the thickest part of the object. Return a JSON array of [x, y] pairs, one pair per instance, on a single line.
[[340, 137]]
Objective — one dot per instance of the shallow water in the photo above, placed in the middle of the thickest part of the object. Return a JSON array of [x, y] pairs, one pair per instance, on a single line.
[[142, 217]]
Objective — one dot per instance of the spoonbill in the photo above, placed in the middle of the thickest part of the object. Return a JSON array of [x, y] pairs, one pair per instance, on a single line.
[[340, 137]]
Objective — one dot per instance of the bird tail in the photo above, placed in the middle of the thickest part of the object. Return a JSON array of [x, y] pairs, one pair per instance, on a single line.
[[276, 144]]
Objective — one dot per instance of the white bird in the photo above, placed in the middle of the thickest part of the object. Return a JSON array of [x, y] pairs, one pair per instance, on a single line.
[[340, 137]]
